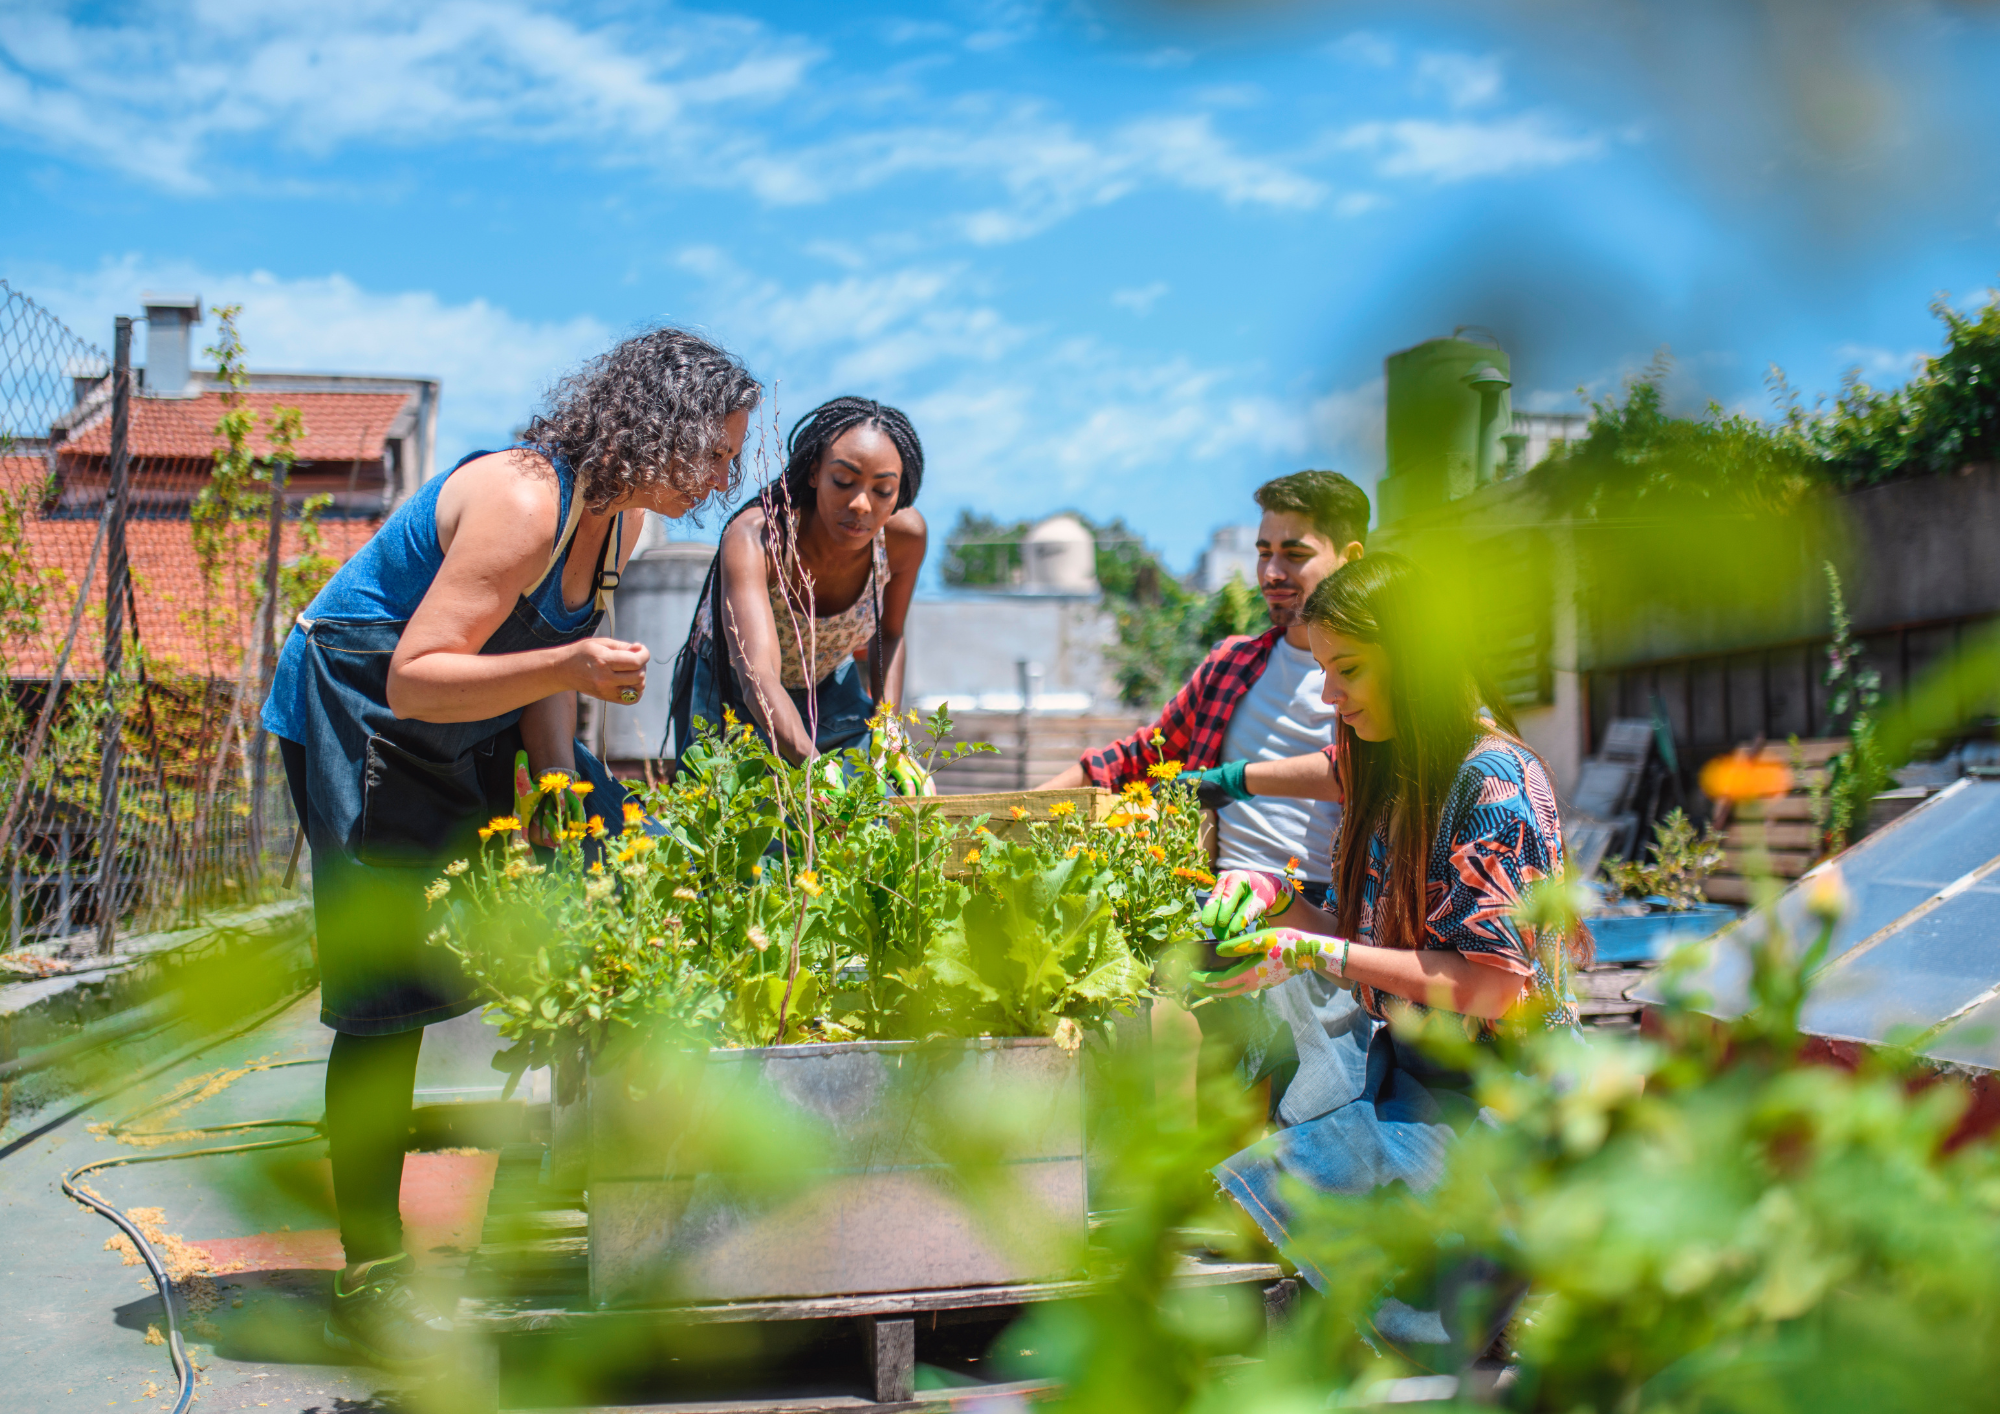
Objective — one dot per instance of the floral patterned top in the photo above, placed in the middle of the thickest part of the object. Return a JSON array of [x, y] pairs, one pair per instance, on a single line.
[[1499, 834], [832, 639]]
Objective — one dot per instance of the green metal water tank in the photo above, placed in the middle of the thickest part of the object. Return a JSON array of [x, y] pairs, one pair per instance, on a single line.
[[1448, 406]]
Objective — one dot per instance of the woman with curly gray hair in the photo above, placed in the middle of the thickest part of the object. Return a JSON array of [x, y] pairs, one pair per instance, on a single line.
[[460, 634]]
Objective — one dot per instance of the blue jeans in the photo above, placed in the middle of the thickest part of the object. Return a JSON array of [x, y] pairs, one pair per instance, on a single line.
[[840, 700]]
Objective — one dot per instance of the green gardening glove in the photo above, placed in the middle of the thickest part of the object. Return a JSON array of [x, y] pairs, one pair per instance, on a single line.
[[1220, 785]]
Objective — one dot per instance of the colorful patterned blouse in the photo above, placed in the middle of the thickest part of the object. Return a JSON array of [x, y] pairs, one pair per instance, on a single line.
[[1499, 835]]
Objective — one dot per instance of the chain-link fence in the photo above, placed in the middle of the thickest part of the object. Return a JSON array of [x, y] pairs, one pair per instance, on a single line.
[[136, 543]]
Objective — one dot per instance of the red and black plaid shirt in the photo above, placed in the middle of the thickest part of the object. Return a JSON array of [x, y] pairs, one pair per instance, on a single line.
[[1191, 726]]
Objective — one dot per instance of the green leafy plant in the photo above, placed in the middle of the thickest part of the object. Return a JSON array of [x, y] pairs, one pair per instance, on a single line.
[[1681, 858], [1854, 691], [752, 901]]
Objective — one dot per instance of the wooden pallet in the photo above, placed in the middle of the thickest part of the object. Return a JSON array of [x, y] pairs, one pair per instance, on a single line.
[[531, 1275]]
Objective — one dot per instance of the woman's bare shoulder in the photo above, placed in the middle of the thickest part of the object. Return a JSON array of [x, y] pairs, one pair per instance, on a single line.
[[515, 493], [906, 536]]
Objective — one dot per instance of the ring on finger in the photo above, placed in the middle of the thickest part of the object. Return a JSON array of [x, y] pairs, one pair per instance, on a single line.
[[628, 695]]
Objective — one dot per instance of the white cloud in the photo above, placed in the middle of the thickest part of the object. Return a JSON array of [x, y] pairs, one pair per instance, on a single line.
[[494, 365], [1462, 80], [170, 96], [1880, 363], [158, 96], [1375, 51], [1457, 151], [1140, 299]]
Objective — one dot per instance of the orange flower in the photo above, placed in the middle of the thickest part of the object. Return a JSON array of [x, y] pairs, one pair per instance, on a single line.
[[1741, 776], [1019, 812], [1157, 853], [1195, 876]]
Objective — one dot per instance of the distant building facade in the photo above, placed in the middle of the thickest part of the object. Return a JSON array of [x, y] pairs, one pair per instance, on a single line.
[[368, 442]]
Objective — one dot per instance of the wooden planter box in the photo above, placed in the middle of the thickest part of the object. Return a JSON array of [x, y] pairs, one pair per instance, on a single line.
[[872, 1190]]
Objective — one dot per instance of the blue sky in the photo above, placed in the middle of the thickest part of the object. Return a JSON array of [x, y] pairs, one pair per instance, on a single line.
[[1132, 259]]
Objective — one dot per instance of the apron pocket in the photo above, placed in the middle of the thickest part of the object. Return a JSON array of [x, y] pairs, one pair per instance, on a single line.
[[415, 811]]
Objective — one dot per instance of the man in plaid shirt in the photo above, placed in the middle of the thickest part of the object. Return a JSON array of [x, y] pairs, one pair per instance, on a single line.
[[1313, 523]]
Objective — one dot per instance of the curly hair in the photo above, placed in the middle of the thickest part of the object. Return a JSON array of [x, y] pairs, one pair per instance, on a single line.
[[643, 415], [819, 429]]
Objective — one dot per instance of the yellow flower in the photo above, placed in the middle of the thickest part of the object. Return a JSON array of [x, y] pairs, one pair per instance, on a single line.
[[1071, 852], [729, 716], [1164, 771], [1159, 737], [552, 781], [1062, 809], [581, 787], [809, 882], [501, 824], [1019, 812], [1158, 854], [1119, 820], [634, 812], [596, 868], [595, 826], [972, 856], [1139, 793], [486, 832]]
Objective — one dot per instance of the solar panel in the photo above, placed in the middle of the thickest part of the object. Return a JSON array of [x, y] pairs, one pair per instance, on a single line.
[[1929, 966], [1974, 1039], [1888, 874]]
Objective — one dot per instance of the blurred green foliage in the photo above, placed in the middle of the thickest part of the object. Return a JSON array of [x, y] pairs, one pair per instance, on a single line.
[[1704, 1221]]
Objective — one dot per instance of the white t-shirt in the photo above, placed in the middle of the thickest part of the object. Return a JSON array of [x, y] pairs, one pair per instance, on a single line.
[[1280, 716]]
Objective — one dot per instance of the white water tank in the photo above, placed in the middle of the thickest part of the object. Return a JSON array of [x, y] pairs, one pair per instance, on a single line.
[[1059, 556]]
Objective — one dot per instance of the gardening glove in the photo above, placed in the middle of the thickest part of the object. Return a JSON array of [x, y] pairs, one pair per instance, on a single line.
[[1220, 785], [1241, 898], [890, 753], [910, 778], [1271, 956]]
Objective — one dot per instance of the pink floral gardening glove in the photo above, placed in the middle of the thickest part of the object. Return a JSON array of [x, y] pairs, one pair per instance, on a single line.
[[1240, 898], [1273, 955]]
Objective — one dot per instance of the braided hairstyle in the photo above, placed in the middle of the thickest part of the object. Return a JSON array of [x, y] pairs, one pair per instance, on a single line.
[[819, 429]]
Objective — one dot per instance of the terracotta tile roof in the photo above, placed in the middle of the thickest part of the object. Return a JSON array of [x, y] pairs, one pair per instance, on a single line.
[[167, 581], [338, 426]]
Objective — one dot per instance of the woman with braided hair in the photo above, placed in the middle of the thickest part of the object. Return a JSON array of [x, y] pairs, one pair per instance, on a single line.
[[813, 580]]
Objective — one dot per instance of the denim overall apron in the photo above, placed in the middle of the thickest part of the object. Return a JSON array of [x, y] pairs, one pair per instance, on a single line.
[[390, 800]]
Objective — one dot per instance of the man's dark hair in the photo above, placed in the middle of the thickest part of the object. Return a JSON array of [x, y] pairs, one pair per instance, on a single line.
[[1337, 507]]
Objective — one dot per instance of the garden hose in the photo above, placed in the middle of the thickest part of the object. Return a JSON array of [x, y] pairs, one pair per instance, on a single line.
[[183, 1367]]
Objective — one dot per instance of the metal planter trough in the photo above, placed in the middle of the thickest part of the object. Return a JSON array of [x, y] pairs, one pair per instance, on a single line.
[[835, 1169]]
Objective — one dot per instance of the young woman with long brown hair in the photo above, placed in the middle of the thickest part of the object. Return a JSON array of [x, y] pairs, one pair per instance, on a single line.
[[1449, 820]]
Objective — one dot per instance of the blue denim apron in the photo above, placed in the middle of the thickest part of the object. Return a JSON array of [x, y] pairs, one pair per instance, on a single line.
[[391, 800]]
